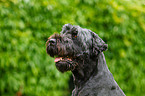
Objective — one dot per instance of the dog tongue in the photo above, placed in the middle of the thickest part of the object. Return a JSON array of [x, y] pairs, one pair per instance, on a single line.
[[60, 58], [57, 59]]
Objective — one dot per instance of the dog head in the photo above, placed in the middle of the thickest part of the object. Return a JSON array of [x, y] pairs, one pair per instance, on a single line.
[[73, 45]]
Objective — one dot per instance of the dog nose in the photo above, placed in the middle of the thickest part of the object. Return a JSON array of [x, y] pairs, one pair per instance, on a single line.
[[52, 41]]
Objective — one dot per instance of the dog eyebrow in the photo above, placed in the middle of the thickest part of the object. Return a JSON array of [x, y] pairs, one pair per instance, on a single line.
[[68, 34]]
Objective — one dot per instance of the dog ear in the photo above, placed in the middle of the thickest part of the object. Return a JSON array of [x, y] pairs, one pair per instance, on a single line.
[[98, 45]]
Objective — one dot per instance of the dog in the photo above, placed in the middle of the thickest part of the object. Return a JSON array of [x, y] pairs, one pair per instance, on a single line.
[[80, 51]]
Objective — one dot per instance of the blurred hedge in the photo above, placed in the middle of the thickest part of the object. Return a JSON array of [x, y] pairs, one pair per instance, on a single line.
[[25, 25]]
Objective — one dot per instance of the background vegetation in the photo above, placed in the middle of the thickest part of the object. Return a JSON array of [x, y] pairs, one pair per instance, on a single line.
[[25, 25]]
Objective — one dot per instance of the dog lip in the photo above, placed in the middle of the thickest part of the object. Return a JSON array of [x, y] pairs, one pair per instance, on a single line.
[[57, 59]]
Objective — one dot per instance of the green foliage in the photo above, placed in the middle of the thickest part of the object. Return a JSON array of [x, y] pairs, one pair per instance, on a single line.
[[25, 26]]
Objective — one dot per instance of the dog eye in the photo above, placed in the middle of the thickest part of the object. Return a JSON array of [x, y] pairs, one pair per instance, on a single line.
[[74, 34]]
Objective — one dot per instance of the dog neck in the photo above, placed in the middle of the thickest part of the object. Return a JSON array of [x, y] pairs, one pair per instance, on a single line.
[[91, 68]]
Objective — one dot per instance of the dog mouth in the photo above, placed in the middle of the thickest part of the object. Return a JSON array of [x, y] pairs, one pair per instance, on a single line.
[[59, 56], [57, 59], [64, 64]]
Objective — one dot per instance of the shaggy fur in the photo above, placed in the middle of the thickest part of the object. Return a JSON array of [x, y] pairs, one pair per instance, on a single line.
[[81, 51]]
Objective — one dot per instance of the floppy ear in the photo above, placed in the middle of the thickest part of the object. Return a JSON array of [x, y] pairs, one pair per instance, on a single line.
[[98, 45]]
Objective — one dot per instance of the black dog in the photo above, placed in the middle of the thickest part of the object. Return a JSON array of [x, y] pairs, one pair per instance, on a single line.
[[81, 51]]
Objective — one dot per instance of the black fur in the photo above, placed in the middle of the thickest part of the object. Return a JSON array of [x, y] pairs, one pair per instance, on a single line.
[[85, 49]]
